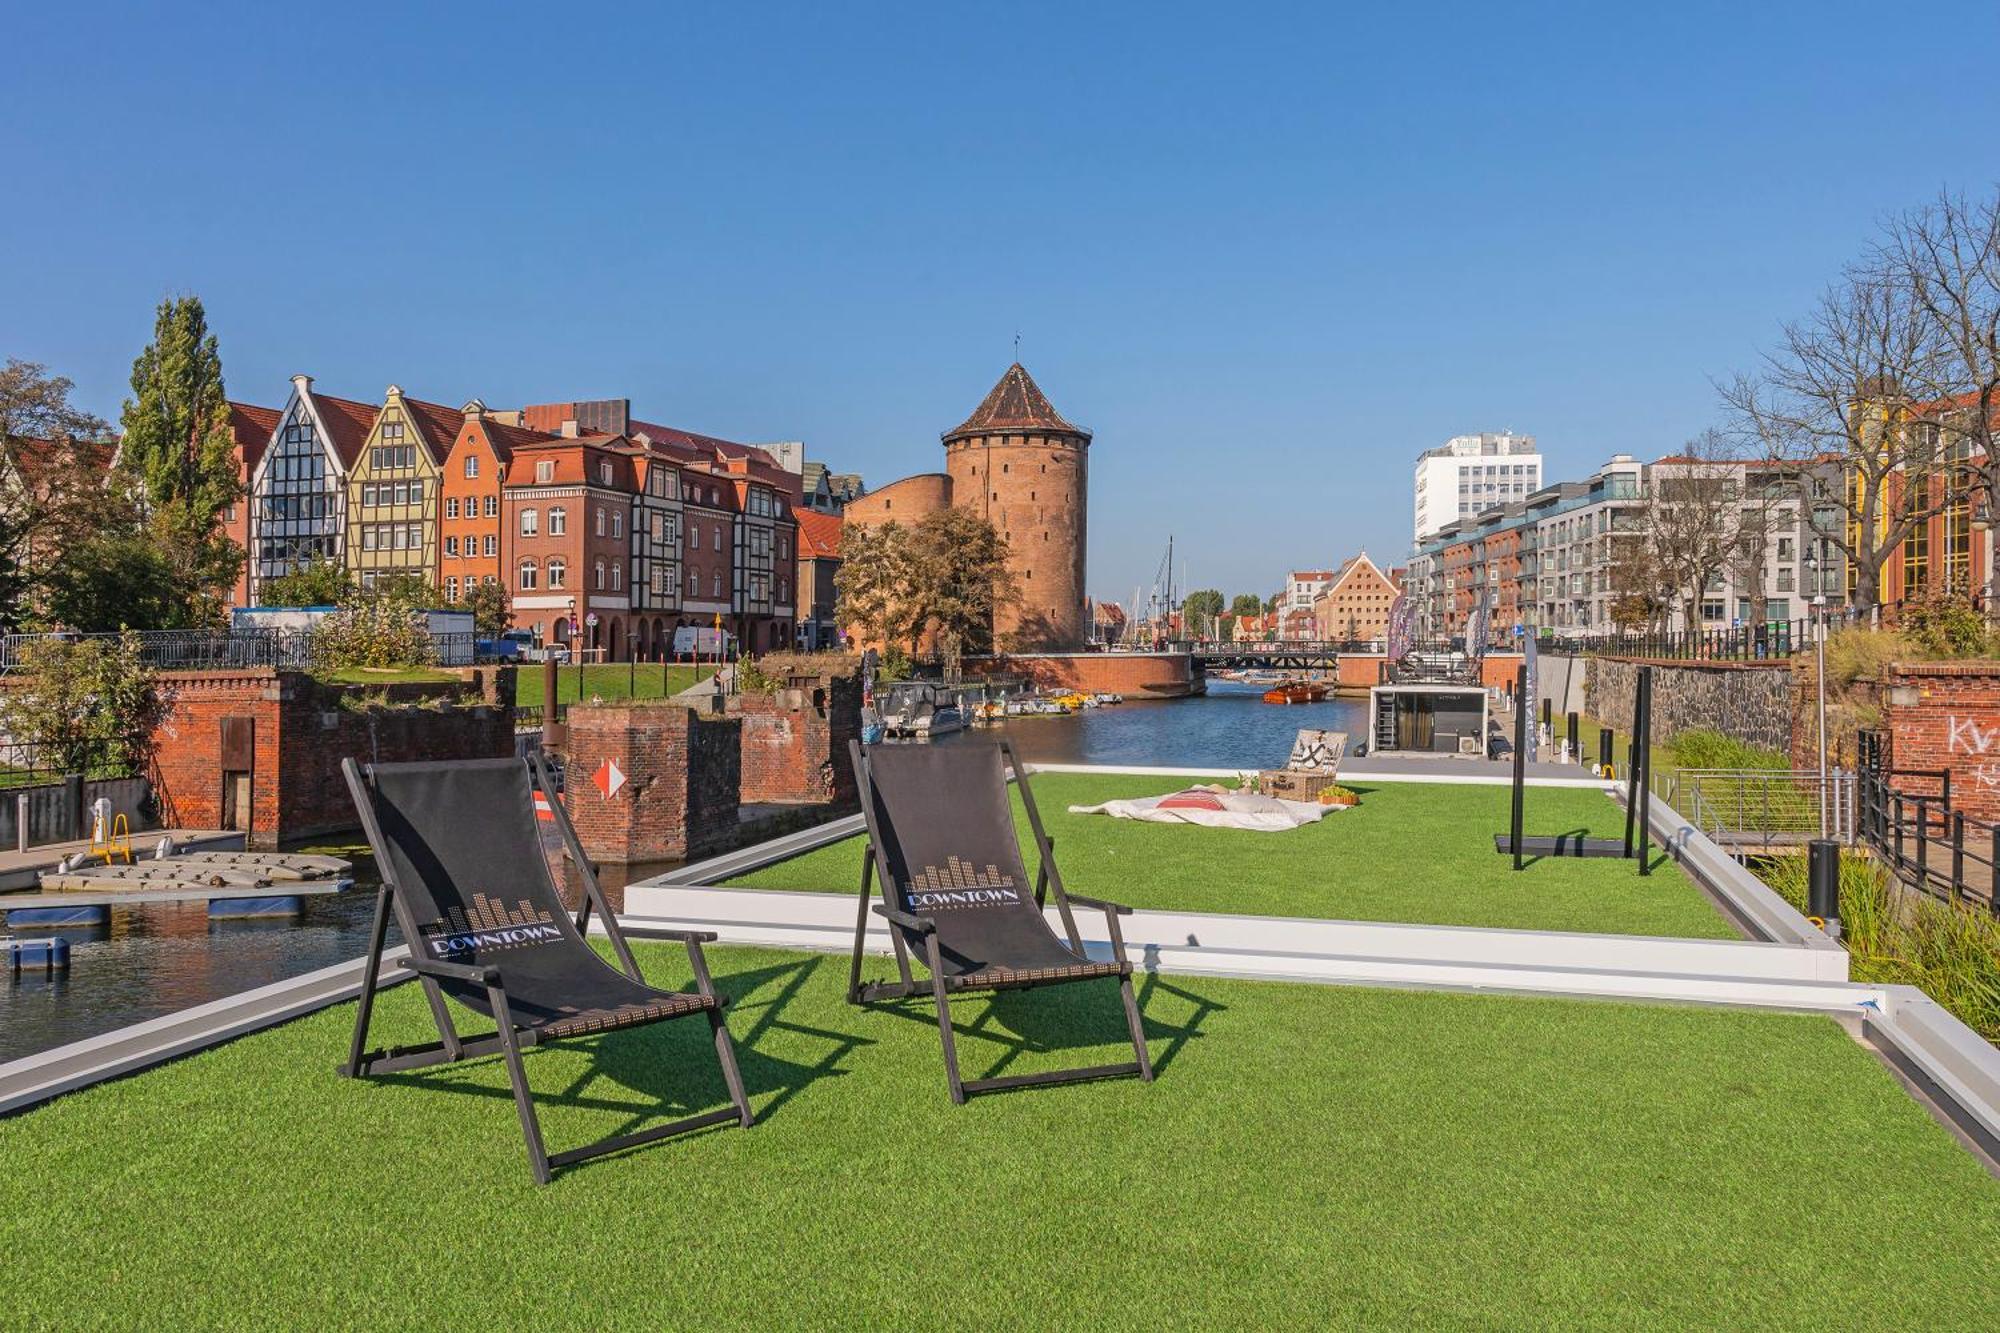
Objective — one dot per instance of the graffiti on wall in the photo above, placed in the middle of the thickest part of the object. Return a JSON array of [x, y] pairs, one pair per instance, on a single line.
[[1964, 736]]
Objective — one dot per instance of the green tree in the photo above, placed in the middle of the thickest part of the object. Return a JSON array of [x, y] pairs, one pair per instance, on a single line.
[[870, 585], [90, 705], [488, 604], [1199, 610], [1246, 604], [51, 471], [941, 578], [178, 453], [318, 582]]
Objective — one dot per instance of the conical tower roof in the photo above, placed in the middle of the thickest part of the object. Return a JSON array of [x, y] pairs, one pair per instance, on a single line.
[[1017, 403]]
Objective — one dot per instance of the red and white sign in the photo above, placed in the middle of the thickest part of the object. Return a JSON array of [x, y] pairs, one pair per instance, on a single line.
[[609, 778]]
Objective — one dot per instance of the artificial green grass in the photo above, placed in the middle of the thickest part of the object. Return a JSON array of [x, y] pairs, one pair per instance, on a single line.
[[609, 681], [1309, 1157], [1409, 852]]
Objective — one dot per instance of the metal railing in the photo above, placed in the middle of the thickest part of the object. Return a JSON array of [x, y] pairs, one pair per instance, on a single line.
[[1922, 840], [1750, 811]]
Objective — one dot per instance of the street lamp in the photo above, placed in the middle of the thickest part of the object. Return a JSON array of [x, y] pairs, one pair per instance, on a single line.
[[1819, 649]]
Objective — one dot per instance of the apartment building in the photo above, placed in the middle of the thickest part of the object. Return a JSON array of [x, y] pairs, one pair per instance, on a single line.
[[1469, 474]]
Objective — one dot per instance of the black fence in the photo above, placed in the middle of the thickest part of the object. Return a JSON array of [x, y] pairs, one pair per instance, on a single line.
[[1905, 817], [612, 682]]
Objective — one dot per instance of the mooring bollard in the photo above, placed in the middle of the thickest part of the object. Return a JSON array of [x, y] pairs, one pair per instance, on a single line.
[[1823, 884]]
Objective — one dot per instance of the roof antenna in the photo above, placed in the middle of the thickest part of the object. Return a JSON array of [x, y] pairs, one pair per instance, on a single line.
[[1017, 347]]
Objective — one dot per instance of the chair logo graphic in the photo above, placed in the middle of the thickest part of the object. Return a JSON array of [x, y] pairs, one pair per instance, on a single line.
[[960, 885], [490, 927]]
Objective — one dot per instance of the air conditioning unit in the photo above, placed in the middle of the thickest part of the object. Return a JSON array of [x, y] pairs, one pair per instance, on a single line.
[[1469, 745]]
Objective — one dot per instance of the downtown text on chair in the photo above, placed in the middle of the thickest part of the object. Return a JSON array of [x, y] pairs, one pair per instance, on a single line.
[[955, 891], [462, 868]]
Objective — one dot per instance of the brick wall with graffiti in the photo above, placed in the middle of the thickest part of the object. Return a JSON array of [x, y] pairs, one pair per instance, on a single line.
[[1946, 715]]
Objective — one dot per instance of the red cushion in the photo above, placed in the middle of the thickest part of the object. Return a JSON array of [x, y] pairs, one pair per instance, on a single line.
[[1191, 800]]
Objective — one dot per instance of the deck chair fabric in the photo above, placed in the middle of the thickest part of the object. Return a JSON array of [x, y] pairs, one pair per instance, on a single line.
[[1316, 751], [956, 891], [464, 871]]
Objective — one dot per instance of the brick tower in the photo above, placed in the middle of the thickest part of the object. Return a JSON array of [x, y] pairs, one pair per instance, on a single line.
[[1019, 464]]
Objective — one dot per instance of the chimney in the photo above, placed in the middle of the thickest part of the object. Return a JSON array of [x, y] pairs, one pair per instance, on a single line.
[[569, 429], [303, 384]]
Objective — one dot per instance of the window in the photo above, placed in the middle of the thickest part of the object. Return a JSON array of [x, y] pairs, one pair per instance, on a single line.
[[545, 470], [528, 573], [716, 581], [558, 521], [617, 575], [530, 522], [718, 536], [604, 471], [451, 546], [451, 507], [597, 576], [451, 588], [617, 524], [492, 545], [472, 465], [492, 506], [600, 520], [368, 537], [694, 583], [558, 573]]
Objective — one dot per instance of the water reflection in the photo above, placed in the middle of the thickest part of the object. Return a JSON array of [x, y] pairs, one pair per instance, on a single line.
[[1231, 728]]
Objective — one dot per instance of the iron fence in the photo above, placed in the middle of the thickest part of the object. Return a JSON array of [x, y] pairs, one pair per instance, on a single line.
[[1922, 840]]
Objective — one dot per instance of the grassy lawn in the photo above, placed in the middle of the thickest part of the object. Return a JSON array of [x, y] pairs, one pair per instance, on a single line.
[[1309, 1157], [389, 676], [610, 681], [1408, 852]]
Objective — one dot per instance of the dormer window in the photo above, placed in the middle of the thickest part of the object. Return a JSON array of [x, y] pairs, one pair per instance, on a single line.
[[545, 470], [604, 471]]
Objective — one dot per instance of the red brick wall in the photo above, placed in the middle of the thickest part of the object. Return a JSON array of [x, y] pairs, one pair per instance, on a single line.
[[795, 743], [1946, 715], [301, 733], [1134, 675], [682, 781]]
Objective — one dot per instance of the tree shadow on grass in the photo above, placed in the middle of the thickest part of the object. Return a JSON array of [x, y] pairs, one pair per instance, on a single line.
[[670, 1068], [1044, 1019]]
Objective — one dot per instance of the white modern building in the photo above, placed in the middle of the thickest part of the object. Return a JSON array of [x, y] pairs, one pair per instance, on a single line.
[[1469, 474]]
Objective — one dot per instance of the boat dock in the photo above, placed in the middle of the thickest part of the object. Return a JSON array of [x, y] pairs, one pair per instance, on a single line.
[[79, 888], [23, 870]]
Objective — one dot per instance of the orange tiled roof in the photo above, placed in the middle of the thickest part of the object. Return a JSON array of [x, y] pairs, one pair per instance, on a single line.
[[819, 534], [437, 424], [347, 424], [253, 427]]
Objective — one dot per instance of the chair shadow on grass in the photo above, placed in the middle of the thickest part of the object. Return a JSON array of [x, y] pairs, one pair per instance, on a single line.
[[1045, 1019], [670, 1068]]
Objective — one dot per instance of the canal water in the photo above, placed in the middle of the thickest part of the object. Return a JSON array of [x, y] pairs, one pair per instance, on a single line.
[[153, 961]]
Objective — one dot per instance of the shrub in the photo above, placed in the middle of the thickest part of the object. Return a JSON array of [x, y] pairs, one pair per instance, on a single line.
[[1893, 934], [1946, 626], [777, 667], [1713, 749], [83, 704]]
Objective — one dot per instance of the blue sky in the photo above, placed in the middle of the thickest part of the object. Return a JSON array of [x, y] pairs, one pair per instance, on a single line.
[[1267, 254]]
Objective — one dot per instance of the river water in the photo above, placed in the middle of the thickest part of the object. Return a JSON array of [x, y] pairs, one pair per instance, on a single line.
[[152, 961]]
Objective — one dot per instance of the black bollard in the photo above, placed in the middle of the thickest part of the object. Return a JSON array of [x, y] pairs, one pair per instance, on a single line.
[[1604, 751], [1823, 884], [1575, 750]]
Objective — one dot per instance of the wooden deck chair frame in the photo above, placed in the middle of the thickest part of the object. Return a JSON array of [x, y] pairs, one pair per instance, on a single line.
[[941, 984], [507, 1039]]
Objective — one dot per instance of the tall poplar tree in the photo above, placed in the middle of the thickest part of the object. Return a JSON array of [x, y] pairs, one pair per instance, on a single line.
[[178, 452]]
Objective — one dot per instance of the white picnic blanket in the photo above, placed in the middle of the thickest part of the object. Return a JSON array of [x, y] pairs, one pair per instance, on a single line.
[[1214, 807]]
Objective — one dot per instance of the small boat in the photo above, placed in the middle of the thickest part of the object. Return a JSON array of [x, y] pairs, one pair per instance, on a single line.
[[1296, 692], [918, 709], [1108, 697], [990, 710]]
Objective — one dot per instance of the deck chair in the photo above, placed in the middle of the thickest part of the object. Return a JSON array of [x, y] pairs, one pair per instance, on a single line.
[[955, 892], [462, 868]]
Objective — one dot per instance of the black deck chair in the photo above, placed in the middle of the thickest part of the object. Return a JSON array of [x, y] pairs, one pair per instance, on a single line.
[[954, 890], [463, 869]]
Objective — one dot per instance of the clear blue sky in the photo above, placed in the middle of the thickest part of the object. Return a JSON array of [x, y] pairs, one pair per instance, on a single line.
[[1267, 255]]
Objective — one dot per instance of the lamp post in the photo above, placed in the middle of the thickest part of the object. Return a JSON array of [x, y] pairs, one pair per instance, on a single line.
[[1819, 651]]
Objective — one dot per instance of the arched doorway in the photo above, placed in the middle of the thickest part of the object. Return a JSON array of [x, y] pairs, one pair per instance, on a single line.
[[615, 643]]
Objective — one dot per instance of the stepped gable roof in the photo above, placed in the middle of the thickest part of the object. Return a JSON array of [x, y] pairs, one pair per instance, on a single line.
[[1016, 403], [253, 427], [819, 534], [347, 424]]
